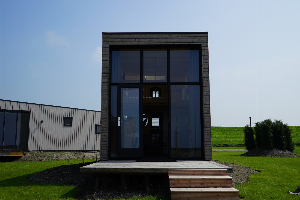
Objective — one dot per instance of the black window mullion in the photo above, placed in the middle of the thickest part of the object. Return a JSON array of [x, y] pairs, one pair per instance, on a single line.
[[141, 66], [169, 102]]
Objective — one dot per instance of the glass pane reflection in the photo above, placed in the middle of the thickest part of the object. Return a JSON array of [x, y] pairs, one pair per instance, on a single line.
[[130, 118], [155, 65], [126, 66], [184, 65], [185, 121]]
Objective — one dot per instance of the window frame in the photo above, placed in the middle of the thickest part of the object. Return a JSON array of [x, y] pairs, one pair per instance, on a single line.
[[68, 124], [97, 125], [169, 83]]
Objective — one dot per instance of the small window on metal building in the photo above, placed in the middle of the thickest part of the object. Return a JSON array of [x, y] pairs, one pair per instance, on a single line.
[[68, 121], [97, 129]]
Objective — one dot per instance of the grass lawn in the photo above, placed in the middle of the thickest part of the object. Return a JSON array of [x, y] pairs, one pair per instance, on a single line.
[[295, 133], [13, 184], [277, 176]]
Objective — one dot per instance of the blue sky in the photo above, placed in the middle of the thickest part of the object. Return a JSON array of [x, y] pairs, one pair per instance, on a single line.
[[50, 51]]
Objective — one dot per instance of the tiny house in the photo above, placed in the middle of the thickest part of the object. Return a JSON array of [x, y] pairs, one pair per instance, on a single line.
[[37, 127], [155, 96]]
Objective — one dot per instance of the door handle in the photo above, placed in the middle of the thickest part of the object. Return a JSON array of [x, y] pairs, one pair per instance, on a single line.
[[119, 121]]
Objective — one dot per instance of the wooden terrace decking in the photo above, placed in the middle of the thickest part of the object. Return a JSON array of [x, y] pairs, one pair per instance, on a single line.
[[131, 166], [187, 179]]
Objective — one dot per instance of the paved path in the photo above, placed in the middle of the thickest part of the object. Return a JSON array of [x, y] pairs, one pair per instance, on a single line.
[[229, 150]]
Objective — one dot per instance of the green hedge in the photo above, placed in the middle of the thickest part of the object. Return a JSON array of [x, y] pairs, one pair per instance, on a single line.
[[269, 135]]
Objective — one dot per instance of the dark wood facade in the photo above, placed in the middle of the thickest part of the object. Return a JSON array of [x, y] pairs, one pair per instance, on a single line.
[[168, 41]]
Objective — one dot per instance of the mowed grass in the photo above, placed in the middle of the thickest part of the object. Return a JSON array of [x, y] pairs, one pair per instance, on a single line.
[[13, 184], [296, 134], [227, 136], [277, 176], [234, 136]]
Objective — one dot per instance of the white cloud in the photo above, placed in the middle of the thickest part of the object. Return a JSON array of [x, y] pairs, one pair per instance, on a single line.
[[53, 39], [97, 54]]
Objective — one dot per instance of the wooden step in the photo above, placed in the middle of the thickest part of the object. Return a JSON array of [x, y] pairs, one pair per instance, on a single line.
[[181, 181], [216, 172], [204, 193]]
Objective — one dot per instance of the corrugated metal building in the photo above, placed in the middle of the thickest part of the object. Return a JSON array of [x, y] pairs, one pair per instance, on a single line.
[[28, 126]]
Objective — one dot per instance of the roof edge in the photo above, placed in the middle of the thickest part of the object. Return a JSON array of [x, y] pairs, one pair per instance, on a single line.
[[49, 105], [154, 32]]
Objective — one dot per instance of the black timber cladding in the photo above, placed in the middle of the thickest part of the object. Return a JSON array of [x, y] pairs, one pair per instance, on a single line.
[[155, 38]]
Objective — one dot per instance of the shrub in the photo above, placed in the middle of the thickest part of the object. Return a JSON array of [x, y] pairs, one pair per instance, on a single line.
[[288, 138], [268, 135], [279, 138], [258, 134], [249, 138]]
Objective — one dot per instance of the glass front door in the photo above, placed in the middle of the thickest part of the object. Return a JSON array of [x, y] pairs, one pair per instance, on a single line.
[[129, 122]]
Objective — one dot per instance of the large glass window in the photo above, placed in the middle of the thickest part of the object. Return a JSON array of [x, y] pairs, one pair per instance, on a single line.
[[130, 123], [155, 65], [14, 127], [22, 131], [1, 126], [184, 65], [151, 67], [126, 66], [10, 129], [185, 121]]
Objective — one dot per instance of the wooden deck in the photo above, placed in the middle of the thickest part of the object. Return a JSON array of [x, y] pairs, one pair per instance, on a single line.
[[187, 179], [131, 166]]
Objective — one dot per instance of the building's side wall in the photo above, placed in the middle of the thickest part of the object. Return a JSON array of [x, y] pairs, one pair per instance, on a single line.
[[154, 39], [52, 134]]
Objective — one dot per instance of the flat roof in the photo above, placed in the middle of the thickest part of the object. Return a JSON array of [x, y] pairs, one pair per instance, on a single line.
[[154, 32]]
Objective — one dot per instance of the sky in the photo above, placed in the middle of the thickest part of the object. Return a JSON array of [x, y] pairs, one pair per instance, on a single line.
[[50, 51]]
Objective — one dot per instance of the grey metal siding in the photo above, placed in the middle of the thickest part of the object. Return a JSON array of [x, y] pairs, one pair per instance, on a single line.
[[52, 134]]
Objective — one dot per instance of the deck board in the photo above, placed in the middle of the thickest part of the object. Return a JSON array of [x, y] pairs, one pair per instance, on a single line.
[[131, 166]]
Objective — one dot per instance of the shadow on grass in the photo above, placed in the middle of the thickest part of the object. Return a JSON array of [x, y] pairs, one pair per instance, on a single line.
[[71, 194], [18, 181], [21, 181], [9, 158]]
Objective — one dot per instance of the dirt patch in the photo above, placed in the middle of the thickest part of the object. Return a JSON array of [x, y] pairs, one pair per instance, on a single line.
[[270, 153]]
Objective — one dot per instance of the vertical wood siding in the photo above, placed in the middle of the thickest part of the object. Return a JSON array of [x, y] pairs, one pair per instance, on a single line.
[[52, 134], [155, 39]]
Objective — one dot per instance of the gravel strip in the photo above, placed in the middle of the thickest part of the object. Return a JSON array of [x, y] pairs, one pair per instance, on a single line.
[[214, 150], [270, 153]]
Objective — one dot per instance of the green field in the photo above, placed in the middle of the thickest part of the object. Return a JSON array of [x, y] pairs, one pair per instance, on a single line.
[[277, 176], [296, 134], [234, 136], [227, 136]]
